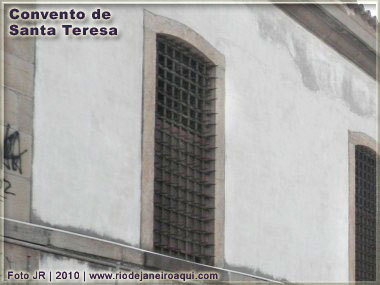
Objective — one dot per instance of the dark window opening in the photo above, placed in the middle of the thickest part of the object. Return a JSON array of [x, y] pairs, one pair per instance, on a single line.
[[365, 214], [184, 178]]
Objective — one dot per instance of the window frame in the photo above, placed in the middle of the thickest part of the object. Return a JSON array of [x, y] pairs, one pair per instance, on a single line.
[[153, 25], [355, 139]]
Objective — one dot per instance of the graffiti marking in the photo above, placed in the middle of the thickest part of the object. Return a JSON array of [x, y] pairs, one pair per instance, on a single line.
[[12, 150]]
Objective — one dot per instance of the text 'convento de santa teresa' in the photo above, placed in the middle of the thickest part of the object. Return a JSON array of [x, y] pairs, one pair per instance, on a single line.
[[67, 29]]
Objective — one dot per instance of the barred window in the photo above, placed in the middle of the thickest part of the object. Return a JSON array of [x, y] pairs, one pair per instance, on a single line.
[[184, 177], [365, 214]]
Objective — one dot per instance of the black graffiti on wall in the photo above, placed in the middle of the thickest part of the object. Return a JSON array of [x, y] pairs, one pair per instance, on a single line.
[[12, 157], [12, 150], [7, 186]]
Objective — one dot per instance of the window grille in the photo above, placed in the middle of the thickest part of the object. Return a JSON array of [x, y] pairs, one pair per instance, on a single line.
[[365, 216], [184, 177]]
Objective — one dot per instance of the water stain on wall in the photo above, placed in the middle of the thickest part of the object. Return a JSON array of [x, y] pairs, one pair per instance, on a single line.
[[255, 272], [86, 232], [317, 74], [356, 98], [277, 33], [301, 58]]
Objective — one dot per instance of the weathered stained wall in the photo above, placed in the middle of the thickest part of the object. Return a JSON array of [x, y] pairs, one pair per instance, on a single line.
[[55, 263], [290, 101], [19, 66], [24, 259]]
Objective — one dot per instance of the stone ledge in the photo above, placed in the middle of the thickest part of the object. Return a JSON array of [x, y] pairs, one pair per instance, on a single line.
[[106, 252]]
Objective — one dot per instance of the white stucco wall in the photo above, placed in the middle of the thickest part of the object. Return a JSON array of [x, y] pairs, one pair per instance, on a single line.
[[290, 101], [87, 128]]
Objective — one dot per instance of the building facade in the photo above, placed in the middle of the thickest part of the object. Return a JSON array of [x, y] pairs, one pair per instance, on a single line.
[[239, 139]]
